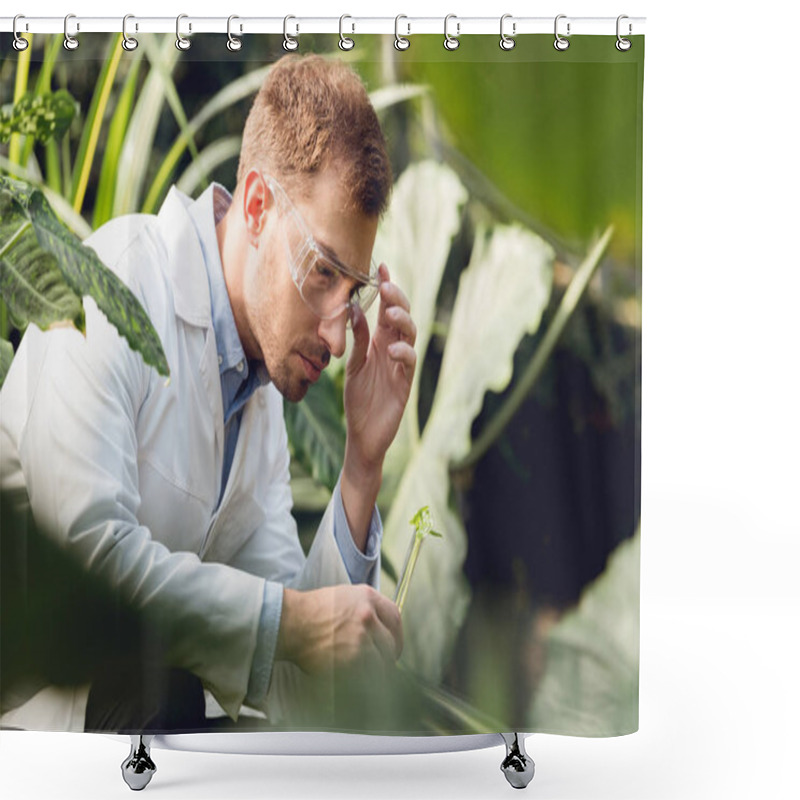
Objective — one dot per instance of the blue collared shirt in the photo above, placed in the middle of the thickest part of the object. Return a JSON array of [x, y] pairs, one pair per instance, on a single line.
[[239, 378]]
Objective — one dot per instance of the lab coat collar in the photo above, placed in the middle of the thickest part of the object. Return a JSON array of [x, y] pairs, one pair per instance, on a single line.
[[185, 265]]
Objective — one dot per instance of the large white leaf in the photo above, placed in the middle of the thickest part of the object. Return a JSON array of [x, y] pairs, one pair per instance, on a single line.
[[501, 296], [414, 239], [591, 683]]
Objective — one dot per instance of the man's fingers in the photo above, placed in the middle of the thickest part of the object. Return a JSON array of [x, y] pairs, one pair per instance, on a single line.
[[393, 295], [401, 321], [403, 353], [389, 616], [360, 340]]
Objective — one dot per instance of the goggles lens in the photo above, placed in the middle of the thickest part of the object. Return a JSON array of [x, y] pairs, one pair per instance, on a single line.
[[327, 286]]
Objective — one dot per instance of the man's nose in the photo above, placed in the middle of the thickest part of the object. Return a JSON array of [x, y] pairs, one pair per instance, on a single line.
[[333, 333]]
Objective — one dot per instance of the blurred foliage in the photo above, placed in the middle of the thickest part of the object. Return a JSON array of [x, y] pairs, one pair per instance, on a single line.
[[43, 116], [558, 136], [590, 686]]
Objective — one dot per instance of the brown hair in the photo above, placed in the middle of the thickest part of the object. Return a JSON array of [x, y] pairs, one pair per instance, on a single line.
[[311, 112]]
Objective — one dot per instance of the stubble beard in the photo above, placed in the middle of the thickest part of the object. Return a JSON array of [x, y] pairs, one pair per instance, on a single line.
[[280, 372]]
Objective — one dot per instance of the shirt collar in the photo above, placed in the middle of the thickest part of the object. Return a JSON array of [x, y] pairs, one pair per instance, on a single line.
[[206, 212]]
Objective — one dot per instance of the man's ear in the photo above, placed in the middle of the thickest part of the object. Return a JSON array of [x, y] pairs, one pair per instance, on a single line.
[[257, 201]]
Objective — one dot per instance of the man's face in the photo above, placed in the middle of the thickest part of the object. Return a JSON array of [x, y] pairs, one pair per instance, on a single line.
[[294, 343]]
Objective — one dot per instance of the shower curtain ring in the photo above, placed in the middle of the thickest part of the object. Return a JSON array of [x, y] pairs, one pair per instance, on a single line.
[[181, 42], [623, 44], [70, 42], [451, 42], [128, 42], [20, 43], [234, 44], [561, 43], [345, 42], [400, 42], [289, 42], [507, 42]]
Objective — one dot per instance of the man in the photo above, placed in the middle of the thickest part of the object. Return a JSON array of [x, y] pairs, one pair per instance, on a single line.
[[177, 493]]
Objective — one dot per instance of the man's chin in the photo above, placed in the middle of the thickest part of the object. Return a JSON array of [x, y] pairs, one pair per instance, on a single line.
[[293, 390]]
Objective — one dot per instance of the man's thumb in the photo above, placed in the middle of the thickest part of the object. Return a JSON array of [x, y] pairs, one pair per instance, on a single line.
[[358, 355]]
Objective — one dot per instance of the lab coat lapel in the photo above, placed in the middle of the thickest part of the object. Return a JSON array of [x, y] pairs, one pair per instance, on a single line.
[[192, 302], [239, 513]]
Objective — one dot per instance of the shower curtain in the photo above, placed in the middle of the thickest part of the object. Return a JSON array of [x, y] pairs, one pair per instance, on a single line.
[[510, 494]]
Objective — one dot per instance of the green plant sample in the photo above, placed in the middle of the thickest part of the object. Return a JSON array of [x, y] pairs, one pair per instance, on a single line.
[[423, 527]]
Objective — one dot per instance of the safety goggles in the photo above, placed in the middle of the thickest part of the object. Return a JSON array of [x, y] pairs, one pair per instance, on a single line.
[[327, 286]]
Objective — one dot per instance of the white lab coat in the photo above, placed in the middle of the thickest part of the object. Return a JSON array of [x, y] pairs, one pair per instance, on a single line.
[[125, 467]]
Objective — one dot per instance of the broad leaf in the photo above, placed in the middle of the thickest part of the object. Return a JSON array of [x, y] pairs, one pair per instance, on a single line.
[[591, 684], [501, 297], [43, 116], [31, 282], [316, 431], [85, 274], [414, 240], [6, 357]]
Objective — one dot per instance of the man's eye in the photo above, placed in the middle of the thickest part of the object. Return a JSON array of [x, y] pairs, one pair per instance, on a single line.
[[355, 292], [325, 272]]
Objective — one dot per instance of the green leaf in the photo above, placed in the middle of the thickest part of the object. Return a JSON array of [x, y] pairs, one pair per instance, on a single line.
[[93, 122], [31, 283], [43, 116], [316, 431], [85, 274], [137, 149], [63, 209], [106, 186], [207, 161], [232, 93], [6, 357]]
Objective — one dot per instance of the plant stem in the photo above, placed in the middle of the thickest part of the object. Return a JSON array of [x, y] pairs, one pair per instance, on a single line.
[[408, 569], [534, 369]]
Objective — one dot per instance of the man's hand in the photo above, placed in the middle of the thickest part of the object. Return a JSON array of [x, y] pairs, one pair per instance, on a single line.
[[377, 385], [339, 626], [379, 375]]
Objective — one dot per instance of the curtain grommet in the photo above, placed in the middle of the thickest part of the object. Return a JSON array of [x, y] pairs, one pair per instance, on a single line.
[[345, 42], [290, 43], [70, 42], [401, 43], [451, 42], [507, 42], [234, 43], [20, 43], [128, 42], [622, 44], [560, 42], [181, 42]]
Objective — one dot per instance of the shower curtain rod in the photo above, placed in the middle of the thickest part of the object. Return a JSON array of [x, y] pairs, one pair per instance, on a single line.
[[346, 25]]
